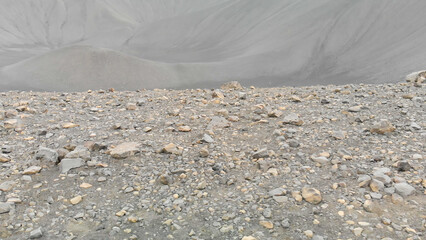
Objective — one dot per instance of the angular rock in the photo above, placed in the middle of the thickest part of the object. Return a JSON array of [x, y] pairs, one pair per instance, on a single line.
[[311, 195], [292, 119], [218, 122], [207, 138], [5, 207], [76, 200], [277, 192], [47, 154], [382, 127], [231, 85], [376, 185], [218, 94], [171, 148], [10, 124], [7, 186], [125, 150], [321, 160], [79, 152], [37, 233], [404, 189], [70, 163], [32, 170], [262, 153], [4, 158]]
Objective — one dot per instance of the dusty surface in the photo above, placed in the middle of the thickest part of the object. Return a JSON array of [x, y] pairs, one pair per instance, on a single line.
[[131, 44], [326, 162]]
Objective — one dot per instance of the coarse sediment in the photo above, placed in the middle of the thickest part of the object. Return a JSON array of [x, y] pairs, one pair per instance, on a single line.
[[320, 162]]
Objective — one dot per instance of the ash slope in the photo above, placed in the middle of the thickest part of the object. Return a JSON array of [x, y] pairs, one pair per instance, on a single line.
[[265, 44]]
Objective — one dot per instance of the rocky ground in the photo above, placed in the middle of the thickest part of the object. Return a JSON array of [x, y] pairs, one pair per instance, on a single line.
[[321, 162]]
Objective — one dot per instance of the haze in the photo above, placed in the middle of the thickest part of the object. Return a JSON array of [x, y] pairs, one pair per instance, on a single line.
[[75, 45]]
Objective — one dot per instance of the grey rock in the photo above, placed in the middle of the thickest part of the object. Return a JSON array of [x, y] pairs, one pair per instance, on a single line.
[[207, 138], [218, 122], [47, 154], [70, 163], [277, 192], [317, 237], [322, 160], [403, 166], [262, 153], [5, 207], [37, 233], [6, 186], [354, 109], [79, 152], [293, 119], [404, 189]]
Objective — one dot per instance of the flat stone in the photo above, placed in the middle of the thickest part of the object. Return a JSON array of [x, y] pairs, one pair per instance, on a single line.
[[69, 125], [85, 185], [248, 238], [70, 163], [280, 199], [125, 150], [262, 153], [277, 192], [321, 160], [32, 170], [79, 152], [354, 109], [184, 129]]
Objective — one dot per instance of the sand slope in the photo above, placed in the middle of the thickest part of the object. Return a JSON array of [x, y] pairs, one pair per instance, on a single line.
[[203, 43], [82, 67]]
